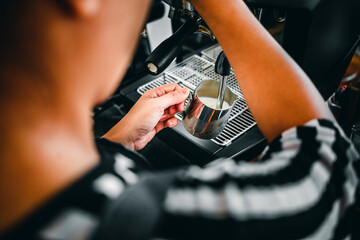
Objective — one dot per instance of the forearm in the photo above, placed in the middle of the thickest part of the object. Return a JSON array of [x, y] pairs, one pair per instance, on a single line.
[[278, 92]]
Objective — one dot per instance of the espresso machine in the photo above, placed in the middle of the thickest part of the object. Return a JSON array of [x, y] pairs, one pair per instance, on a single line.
[[321, 35]]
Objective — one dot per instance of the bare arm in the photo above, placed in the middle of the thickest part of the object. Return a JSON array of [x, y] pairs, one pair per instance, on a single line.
[[278, 92]]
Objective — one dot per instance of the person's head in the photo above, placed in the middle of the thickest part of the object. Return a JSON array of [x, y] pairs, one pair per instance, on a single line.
[[81, 46], [58, 59]]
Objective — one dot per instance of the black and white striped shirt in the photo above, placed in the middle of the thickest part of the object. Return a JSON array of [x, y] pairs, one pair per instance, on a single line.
[[303, 187]]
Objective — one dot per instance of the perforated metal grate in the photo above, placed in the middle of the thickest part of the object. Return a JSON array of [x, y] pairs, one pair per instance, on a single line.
[[190, 73], [156, 83], [212, 52], [195, 69]]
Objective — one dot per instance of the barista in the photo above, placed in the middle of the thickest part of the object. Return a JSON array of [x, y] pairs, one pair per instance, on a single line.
[[61, 58]]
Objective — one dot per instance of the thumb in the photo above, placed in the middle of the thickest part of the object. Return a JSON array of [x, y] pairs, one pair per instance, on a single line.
[[173, 98]]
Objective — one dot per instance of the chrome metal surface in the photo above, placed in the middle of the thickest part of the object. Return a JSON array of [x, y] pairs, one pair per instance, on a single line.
[[207, 121], [212, 52], [193, 71], [221, 94], [196, 69], [188, 6]]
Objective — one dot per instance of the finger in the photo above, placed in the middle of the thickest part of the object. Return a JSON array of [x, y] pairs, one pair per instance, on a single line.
[[162, 90], [165, 117], [172, 110], [172, 122], [173, 98], [180, 107], [165, 114], [160, 126]]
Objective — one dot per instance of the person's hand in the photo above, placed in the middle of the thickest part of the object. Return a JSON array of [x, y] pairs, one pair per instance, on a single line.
[[153, 112]]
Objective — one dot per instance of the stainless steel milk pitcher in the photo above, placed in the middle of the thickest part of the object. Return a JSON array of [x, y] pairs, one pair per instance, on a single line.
[[203, 120]]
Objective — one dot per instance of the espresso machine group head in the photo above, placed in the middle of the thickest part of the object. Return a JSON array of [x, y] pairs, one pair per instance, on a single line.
[[169, 49]]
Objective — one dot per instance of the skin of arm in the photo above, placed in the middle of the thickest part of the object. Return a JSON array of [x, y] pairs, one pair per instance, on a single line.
[[279, 94]]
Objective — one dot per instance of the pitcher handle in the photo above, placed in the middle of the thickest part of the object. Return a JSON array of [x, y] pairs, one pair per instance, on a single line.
[[189, 100]]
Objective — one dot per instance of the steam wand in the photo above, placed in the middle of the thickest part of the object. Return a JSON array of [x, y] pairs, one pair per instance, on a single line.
[[222, 67]]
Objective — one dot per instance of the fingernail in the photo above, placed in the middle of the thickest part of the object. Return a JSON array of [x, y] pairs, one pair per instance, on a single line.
[[184, 90]]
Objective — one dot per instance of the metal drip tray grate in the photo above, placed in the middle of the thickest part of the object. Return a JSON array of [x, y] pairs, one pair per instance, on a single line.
[[212, 52], [189, 74], [235, 128], [156, 83]]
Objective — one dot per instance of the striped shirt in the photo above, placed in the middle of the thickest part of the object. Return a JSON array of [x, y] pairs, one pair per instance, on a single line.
[[302, 188], [305, 186]]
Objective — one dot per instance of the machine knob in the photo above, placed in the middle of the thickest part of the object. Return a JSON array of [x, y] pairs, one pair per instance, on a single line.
[[222, 65]]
